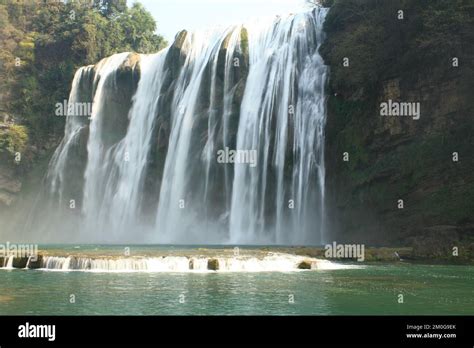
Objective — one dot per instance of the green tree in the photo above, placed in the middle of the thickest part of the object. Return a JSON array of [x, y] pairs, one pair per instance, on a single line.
[[109, 8], [139, 30], [52, 40]]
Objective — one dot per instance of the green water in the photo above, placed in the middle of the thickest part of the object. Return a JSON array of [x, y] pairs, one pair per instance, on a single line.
[[426, 289]]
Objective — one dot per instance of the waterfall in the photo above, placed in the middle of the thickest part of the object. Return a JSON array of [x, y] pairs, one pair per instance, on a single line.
[[8, 263], [121, 199], [100, 169], [173, 218], [145, 167], [272, 262], [73, 127], [285, 85]]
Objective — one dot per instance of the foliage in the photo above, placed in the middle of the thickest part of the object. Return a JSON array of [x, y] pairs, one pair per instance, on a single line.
[[43, 43], [399, 158], [13, 139], [380, 45]]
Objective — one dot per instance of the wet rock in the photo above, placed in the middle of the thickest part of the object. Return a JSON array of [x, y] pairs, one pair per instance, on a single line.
[[306, 264], [191, 264], [20, 262], [213, 264], [34, 264]]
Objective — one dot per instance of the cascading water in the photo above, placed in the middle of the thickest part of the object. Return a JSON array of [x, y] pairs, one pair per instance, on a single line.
[[150, 172], [119, 204], [173, 219], [100, 169], [285, 86], [271, 262], [74, 125]]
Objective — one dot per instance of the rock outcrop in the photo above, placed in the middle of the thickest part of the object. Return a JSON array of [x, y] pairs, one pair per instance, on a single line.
[[400, 180], [10, 186], [213, 264]]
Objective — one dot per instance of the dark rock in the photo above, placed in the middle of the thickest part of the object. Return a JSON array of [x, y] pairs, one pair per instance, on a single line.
[[20, 262], [304, 264], [37, 263], [213, 264]]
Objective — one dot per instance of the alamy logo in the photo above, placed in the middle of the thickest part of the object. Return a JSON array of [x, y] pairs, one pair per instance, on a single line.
[[393, 108], [345, 251], [237, 156], [67, 108], [37, 331], [19, 250]]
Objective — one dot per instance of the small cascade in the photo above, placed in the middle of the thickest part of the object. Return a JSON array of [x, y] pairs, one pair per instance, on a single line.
[[263, 262], [9, 262], [273, 262]]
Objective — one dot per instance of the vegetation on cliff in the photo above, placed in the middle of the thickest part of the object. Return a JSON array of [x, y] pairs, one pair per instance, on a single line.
[[13, 139], [400, 38], [44, 43], [406, 51]]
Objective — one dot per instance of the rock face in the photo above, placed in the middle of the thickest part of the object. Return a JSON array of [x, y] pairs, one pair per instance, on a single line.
[[37, 263], [9, 186], [404, 181], [20, 262]]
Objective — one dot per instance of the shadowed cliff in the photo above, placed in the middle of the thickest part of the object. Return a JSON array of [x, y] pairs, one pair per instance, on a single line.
[[404, 51]]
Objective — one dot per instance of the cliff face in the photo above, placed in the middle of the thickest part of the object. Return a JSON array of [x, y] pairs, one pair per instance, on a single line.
[[403, 180], [17, 158], [9, 186]]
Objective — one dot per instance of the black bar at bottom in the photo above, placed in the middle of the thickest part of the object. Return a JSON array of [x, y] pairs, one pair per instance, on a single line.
[[291, 331]]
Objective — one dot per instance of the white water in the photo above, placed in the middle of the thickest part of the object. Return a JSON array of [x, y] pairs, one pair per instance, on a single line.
[[122, 197], [74, 124], [273, 262], [286, 82], [172, 220], [282, 117], [101, 155], [8, 262]]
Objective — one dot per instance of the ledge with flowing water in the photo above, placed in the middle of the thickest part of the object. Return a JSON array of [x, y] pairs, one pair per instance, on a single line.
[[190, 261]]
